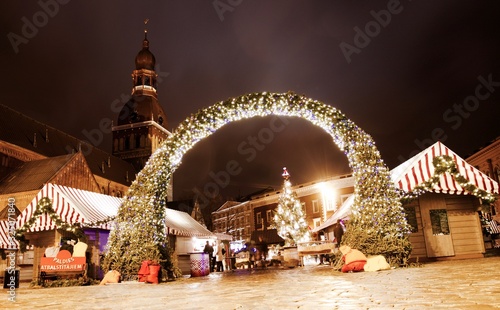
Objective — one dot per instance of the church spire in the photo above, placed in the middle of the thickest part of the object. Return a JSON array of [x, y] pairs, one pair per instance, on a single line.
[[144, 76]]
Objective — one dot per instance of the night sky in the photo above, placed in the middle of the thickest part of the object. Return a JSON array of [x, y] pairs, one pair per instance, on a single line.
[[406, 72]]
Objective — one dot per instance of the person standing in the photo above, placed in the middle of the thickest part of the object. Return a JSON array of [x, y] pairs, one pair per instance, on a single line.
[[210, 251], [263, 248], [338, 231], [220, 257]]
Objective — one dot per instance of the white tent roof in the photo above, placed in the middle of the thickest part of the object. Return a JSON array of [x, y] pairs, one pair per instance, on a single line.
[[79, 206], [420, 169], [72, 206], [182, 224]]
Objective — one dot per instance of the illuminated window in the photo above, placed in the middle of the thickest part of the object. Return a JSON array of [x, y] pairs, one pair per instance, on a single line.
[[315, 206]]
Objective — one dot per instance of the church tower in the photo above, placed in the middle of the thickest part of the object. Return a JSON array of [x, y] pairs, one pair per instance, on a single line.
[[142, 124]]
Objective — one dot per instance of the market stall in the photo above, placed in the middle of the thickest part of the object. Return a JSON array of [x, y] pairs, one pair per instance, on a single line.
[[444, 216], [51, 219]]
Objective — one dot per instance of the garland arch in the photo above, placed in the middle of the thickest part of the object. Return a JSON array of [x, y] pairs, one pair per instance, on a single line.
[[139, 232]]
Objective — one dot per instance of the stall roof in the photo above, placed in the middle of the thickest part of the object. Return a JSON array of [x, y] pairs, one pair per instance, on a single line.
[[79, 206], [72, 206], [182, 224], [7, 241], [419, 169]]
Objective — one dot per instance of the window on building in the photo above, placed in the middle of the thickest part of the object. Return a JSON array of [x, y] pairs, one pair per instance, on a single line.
[[269, 218], [330, 205], [258, 224], [411, 218], [317, 221], [315, 206]]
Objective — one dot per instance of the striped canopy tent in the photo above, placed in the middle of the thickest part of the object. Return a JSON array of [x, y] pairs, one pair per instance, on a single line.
[[419, 169], [7, 240], [182, 224], [71, 206]]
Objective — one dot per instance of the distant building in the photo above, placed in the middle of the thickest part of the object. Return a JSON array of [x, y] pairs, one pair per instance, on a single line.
[[320, 200]]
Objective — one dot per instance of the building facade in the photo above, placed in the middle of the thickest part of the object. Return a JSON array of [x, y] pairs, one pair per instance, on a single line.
[[319, 199]]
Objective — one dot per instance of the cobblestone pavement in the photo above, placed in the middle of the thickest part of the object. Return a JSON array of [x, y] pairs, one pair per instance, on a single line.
[[459, 284]]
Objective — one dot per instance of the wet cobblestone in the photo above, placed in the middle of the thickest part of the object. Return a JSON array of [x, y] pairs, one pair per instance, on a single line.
[[459, 284]]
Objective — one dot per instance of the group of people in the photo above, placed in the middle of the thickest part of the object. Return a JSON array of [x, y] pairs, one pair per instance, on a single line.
[[217, 260], [221, 258]]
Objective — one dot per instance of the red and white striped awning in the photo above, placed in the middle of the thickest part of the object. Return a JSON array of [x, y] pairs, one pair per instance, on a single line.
[[7, 240], [419, 169], [182, 224], [72, 206]]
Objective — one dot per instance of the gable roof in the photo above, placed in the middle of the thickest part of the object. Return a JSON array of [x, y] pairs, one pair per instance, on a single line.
[[32, 175], [29, 134], [229, 204], [5, 212]]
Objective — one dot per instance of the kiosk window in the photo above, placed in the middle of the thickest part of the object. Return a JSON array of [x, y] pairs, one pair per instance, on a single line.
[[439, 221], [411, 218]]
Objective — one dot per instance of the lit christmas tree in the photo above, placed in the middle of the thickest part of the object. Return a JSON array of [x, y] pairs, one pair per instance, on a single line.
[[289, 217]]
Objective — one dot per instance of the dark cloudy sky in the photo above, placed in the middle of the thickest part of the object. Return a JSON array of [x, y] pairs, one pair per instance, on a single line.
[[407, 72]]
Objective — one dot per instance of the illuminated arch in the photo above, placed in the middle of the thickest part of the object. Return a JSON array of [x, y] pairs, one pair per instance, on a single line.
[[146, 196]]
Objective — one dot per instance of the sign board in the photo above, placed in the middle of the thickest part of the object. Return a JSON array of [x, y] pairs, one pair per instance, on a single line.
[[62, 262]]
